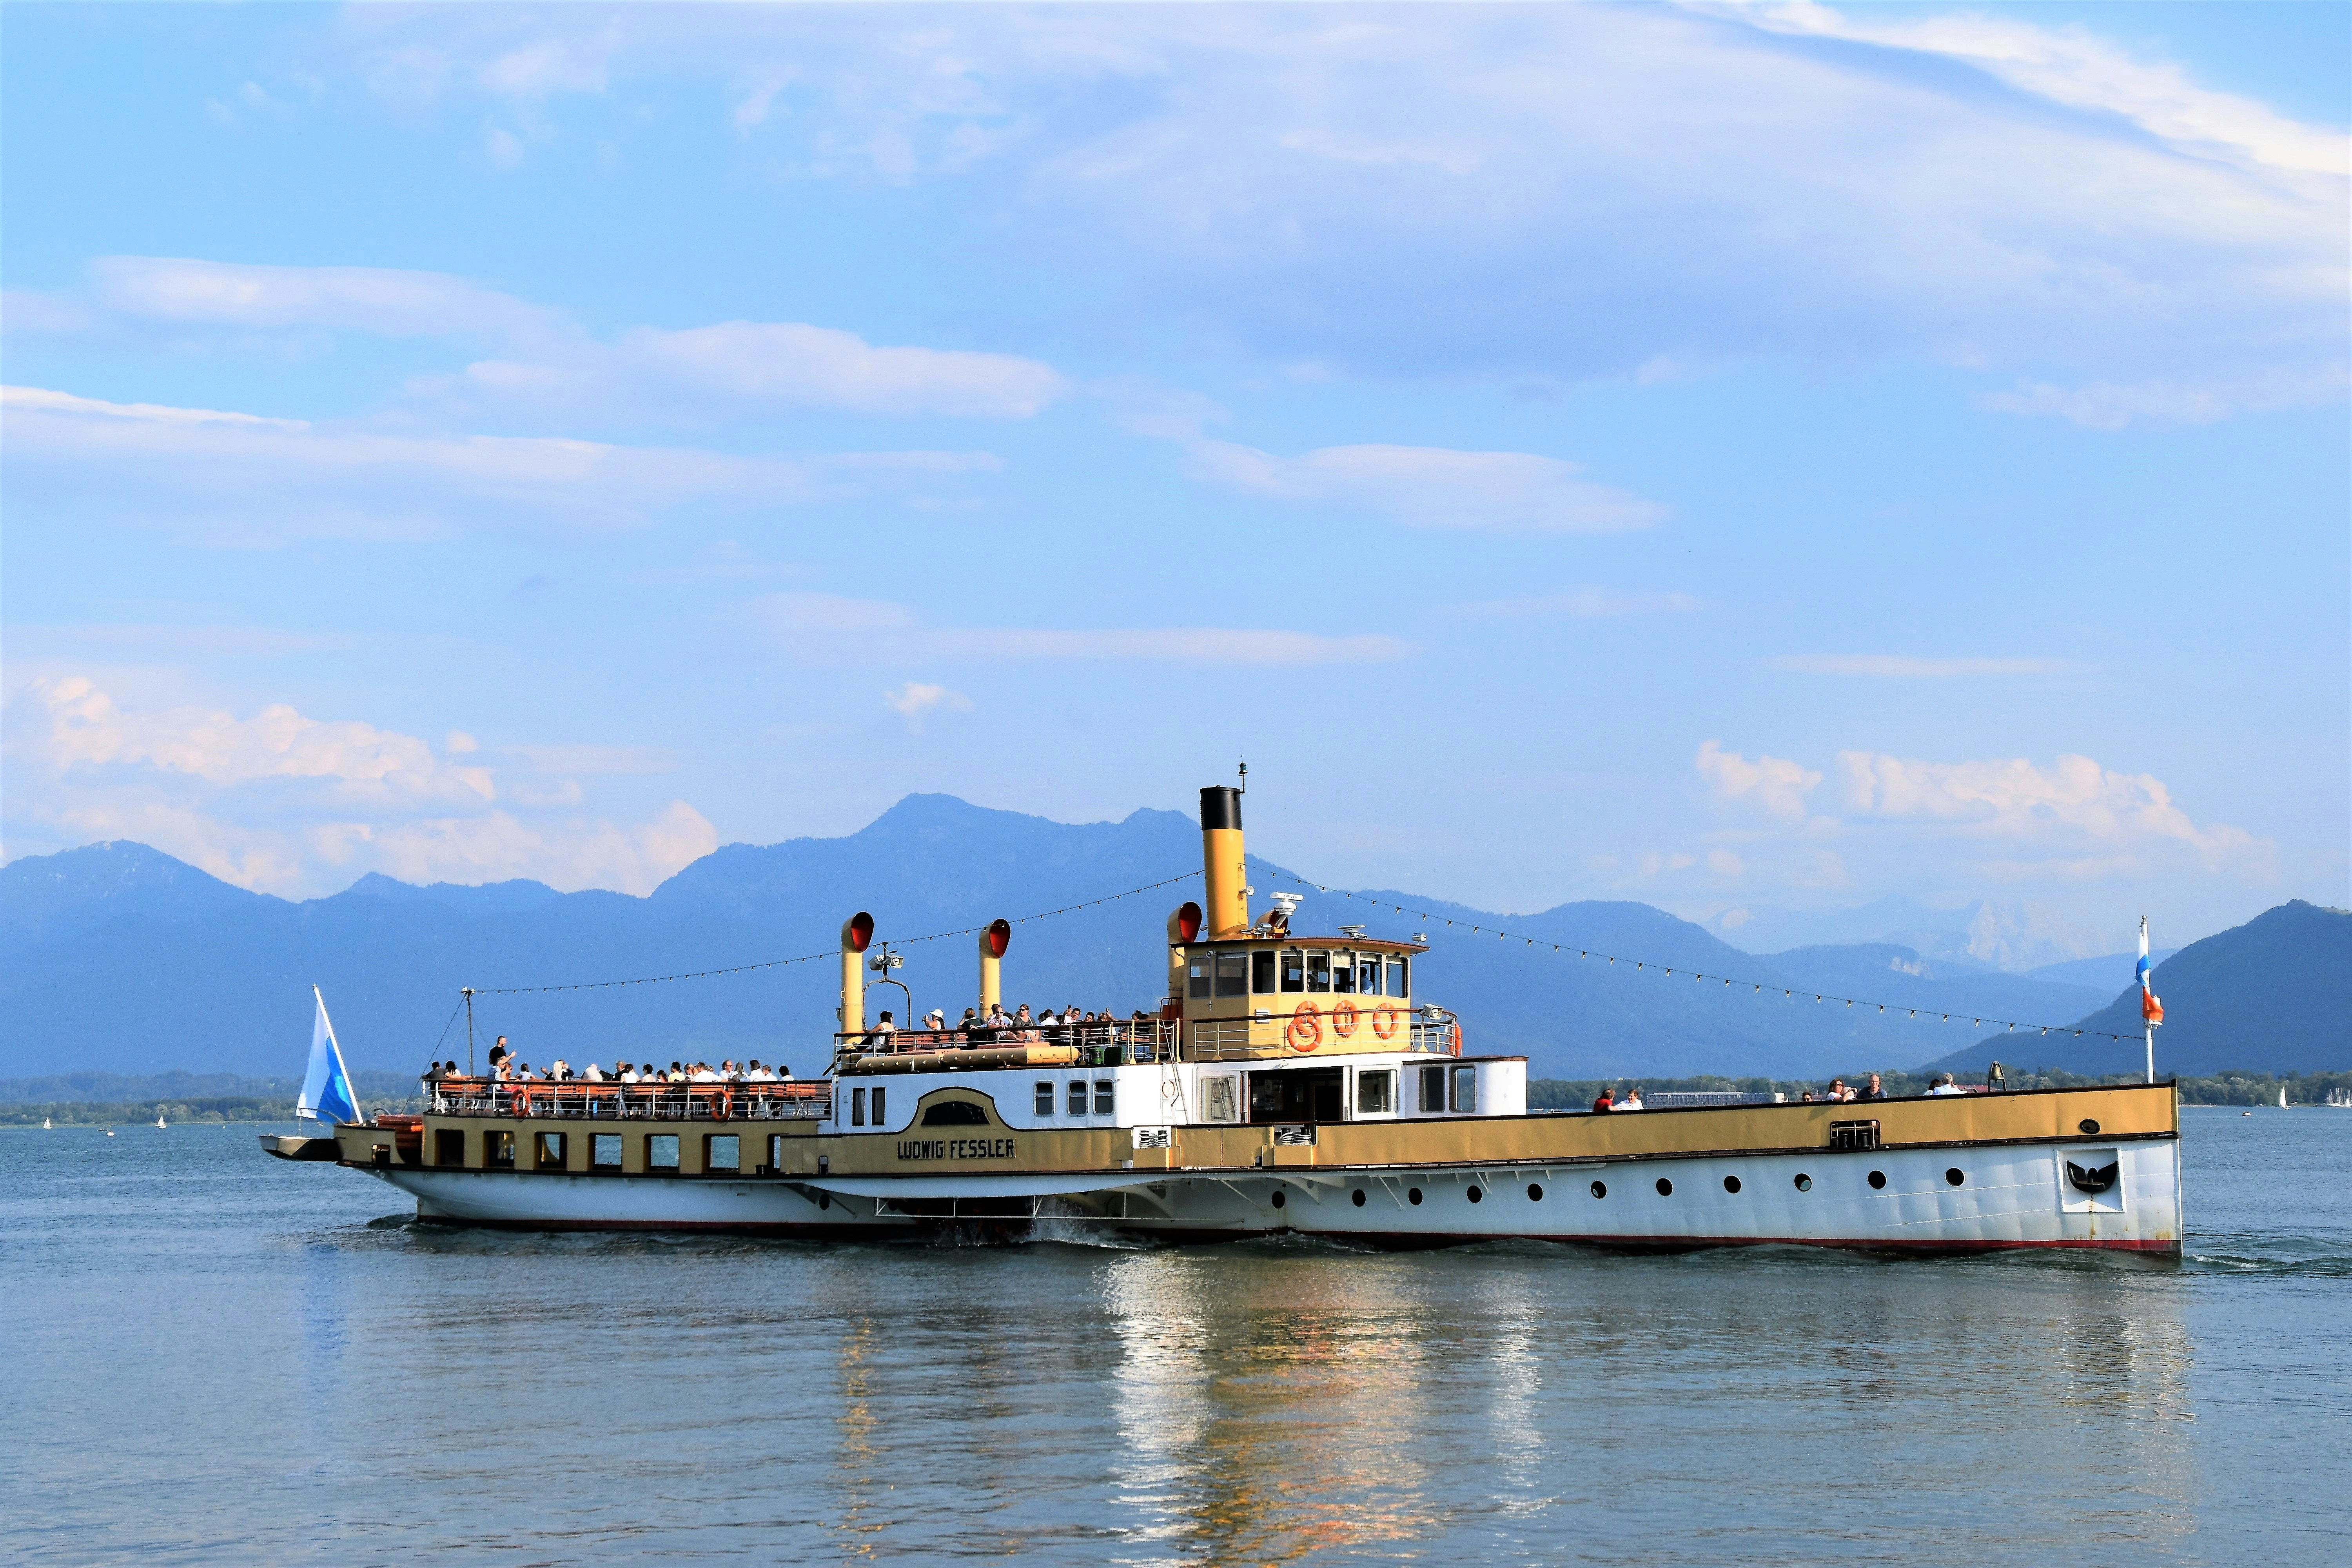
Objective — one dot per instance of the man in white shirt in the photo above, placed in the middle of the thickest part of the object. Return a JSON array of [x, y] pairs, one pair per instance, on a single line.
[[1633, 1100], [1944, 1085]]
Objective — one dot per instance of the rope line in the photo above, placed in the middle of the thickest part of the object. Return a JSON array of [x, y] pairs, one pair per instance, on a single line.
[[1642, 965], [832, 952]]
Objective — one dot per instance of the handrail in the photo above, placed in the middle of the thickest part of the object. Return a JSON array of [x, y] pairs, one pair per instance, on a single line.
[[577, 1100]]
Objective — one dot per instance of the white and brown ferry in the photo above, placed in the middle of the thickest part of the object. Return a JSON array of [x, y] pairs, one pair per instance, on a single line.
[[1289, 1083]]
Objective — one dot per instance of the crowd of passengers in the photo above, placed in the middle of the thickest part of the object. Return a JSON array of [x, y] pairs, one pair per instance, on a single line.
[[1838, 1093], [997, 1026], [507, 1068]]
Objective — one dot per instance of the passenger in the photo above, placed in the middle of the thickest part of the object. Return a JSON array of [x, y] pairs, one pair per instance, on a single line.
[[1838, 1091], [882, 1036], [677, 1073], [1944, 1085], [935, 1024], [559, 1072], [1806, 1098], [702, 1073], [594, 1073], [498, 1053], [628, 1073], [1633, 1100], [1604, 1101], [1874, 1091]]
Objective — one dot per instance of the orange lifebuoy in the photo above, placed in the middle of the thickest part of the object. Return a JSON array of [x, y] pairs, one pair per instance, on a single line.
[[1384, 1022], [723, 1105], [1457, 1039], [1343, 1018], [1306, 1027]]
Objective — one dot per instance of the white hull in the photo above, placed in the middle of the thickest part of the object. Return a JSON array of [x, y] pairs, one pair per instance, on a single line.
[[2010, 1196]]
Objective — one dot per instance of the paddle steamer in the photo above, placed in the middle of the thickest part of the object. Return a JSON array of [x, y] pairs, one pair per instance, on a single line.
[[1289, 1083]]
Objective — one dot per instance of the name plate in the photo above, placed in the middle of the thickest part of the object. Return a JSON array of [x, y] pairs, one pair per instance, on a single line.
[[955, 1149]]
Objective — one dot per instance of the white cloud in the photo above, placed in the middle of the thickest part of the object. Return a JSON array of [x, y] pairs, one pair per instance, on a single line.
[[917, 698], [1588, 604], [2075, 800], [597, 759], [1432, 487], [2104, 405], [789, 362], [827, 628], [1904, 667], [381, 301], [322, 479], [1774, 784], [284, 802]]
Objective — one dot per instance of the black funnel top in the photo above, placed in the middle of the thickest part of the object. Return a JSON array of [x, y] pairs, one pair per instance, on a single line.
[[1221, 806]]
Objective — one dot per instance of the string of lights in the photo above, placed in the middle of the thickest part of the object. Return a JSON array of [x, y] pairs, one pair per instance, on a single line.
[[813, 957], [1642, 966]]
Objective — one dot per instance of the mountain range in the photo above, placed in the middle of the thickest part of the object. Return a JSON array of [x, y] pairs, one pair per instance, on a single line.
[[117, 958]]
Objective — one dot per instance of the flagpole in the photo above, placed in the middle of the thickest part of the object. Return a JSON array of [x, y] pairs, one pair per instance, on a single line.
[[2147, 1023]]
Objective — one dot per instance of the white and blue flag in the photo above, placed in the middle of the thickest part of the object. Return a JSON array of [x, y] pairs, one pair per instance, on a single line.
[[2151, 1006], [327, 1088]]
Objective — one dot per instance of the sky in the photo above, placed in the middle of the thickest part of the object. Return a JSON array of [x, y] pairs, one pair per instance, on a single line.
[[1733, 458]]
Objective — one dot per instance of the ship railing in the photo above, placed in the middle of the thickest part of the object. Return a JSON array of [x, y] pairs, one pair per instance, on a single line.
[[1111, 1042], [1228, 1039], [575, 1100]]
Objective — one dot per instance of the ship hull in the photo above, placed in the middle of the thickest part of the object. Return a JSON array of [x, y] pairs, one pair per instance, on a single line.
[[2008, 1196]]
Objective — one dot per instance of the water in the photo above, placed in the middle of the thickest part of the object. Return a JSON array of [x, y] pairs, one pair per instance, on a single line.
[[216, 1356]]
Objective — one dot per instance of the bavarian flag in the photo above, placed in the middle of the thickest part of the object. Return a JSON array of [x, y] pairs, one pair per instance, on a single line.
[[2151, 1006]]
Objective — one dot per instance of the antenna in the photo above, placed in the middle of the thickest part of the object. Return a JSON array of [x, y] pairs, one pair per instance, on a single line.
[[1244, 785]]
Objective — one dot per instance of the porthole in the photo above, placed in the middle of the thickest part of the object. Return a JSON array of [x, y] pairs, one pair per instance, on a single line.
[[1730, 1183], [823, 1201], [1599, 1189], [1358, 1197], [1413, 1196], [1534, 1192], [2090, 1128], [1955, 1175], [1280, 1198], [1665, 1188], [1477, 1194], [1805, 1182], [1877, 1178]]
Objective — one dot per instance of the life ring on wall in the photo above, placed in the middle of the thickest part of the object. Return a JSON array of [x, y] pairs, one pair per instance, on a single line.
[[722, 1105], [1384, 1022], [1457, 1039], [1343, 1018], [1306, 1027]]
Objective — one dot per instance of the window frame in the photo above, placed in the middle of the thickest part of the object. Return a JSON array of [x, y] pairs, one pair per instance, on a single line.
[[1399, 977], [547, 1142], [1239, 964], [711, 1142], [1462, 1090], [1291, 972], [1200, 975], [1262, 969], [498, 1150], [857, 1105], [1318, 957], [597, 1143], [1224, 1086], [1107, 1096], [1384, 1077], [1432, 1089], [653, 1151], [1076, 1095], [1041, 1098]]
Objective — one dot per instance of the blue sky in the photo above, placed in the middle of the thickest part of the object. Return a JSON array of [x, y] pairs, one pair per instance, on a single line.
[[1728, 458]]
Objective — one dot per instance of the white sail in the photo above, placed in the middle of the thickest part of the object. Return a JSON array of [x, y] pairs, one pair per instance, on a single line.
[[326, 1087]]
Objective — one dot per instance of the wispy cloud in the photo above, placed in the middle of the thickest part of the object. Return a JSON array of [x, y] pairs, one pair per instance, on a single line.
[[381, 301], [1901, 667], [918, 699], [1432, 487], [830, 629], [1776, 785]]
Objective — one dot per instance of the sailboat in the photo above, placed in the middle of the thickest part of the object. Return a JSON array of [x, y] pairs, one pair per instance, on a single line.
[[159, 1116], [2281, 1097], [47, 1124]]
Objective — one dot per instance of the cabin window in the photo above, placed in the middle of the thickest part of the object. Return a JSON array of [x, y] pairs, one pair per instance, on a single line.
[[1396, 977], [1233, 974], [548, 1155], [1106, 1097], [1294, 969], [1376, 1092], [1262, 974], [498, 1150], [1465, 1089], [1367, 974], [1318, 972], [605, 1151], [1343, 973], [857, 1107], [1433, 1088], [449, 1146], [878, 1093], [1077, 1097], [1044, 1097], [776, 1151], [1218, 1100], [722, 1152], [661, 1152], [1198, 979]]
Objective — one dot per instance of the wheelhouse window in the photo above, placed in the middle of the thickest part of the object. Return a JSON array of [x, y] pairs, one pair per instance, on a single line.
[[1199, 975], [605, 1151], [857, 1107], [1262, 972], [1396, 977], [1233, 974], [1077, 1097], [1432, 1090], [1368, 973], [1044, 1097], [1376, 1092], [1294, 969], [661, 1152], [1465, 1089], [1218, 1099], [722, 1153], [1343, 973], [1318, 972]]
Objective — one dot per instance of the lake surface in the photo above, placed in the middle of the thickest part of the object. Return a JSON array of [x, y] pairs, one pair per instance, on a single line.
[[214, 1356]]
